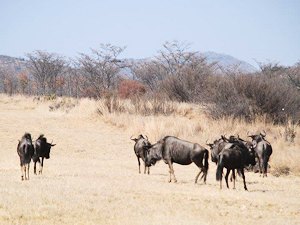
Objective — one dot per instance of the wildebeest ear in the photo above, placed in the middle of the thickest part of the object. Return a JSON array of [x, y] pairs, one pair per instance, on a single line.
[[210, 145]]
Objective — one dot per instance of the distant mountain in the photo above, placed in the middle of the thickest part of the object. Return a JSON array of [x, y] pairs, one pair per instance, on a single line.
[[13, 64], [228, 61]]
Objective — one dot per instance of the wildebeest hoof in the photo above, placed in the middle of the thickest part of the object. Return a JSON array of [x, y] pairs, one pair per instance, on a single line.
[[175, 181]]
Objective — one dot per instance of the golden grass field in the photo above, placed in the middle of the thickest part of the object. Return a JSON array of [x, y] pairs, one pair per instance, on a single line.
[[92, 175]]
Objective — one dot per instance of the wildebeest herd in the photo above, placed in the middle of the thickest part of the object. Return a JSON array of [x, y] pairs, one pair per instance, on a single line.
[[233, 153], [37, 152]]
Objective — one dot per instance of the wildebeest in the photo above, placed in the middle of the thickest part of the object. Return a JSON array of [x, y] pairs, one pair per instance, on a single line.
[[140, 147], [263, 151], [42, 150], [174, 150], [233, 158], [25, 151]]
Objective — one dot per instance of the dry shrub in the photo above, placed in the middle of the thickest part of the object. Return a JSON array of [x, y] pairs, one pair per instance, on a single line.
[[249, 96], [63, 104], [130, 88], [142, 106], [280, 170]]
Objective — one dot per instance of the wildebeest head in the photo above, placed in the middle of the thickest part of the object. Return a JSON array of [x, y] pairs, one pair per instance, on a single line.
[[216, 147], [142, 141], [43, 146], [154, 153], [256, 138]]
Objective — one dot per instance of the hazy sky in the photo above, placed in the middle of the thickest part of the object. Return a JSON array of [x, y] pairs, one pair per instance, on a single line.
[[264, 30]]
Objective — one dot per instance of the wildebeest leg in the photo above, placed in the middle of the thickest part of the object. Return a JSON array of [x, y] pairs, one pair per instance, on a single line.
[[171, 172], [226, 177], [260, 165], [41, 166], [243, 175], [27, 168], [265, 165], [233, 176], [148, 170], [138, 158], [34, 165], [196, 179], [22, 171], [145, 168]]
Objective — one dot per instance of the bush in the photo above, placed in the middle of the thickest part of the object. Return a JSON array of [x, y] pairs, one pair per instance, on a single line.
[[130, 88], [249, 96]]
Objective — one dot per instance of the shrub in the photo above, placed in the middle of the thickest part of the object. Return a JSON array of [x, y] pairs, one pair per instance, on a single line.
[[130, 88]]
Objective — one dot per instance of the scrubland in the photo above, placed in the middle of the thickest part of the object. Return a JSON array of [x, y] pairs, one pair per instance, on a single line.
[[92, 175]]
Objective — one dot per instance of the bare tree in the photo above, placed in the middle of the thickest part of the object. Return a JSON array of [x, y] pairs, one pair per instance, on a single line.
[[8, 82], [46, 68], [102, 67], [293, 75]]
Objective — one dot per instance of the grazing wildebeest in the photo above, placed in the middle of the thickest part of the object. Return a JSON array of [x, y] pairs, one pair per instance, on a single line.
[[233, 158], [25, 151], [263, 151], [174, 150], [42, 150], [140, 147]]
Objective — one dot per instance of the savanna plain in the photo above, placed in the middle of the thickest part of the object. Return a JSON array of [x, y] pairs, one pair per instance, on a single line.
[[92, 174]]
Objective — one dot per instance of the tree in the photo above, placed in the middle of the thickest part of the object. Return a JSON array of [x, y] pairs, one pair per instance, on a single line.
[[102, 67], [46, 68]]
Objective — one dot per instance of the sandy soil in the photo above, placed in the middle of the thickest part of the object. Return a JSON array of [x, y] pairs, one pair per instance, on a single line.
[[92, 178]]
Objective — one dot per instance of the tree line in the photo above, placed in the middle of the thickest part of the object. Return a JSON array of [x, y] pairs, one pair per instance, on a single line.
[[175, 73]]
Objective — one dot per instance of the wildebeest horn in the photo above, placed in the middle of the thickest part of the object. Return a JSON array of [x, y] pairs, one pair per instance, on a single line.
[[146, 137], [263, 134], [133, 139]]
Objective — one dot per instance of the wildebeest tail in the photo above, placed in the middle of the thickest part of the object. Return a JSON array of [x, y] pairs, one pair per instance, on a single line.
[[206, 154], [220, 168]]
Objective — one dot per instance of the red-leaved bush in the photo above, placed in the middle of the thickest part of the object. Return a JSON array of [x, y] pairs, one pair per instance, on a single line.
[[130, 88]]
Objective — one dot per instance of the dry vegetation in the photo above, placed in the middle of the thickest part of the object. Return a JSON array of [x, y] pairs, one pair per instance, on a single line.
[[92, 175]]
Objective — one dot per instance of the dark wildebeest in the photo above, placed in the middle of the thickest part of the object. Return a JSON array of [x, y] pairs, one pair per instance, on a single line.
[[234, 157], [174, 150], [42, 150], [140, 147], [25, 151], [263, 151]]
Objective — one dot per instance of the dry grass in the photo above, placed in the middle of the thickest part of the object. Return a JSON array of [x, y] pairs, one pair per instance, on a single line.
[[92, 176]]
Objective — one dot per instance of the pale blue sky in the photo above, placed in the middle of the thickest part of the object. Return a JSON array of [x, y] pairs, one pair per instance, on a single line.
[[264, 30]]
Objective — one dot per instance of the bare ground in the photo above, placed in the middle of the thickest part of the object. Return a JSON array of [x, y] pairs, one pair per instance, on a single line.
[[92, 178]]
